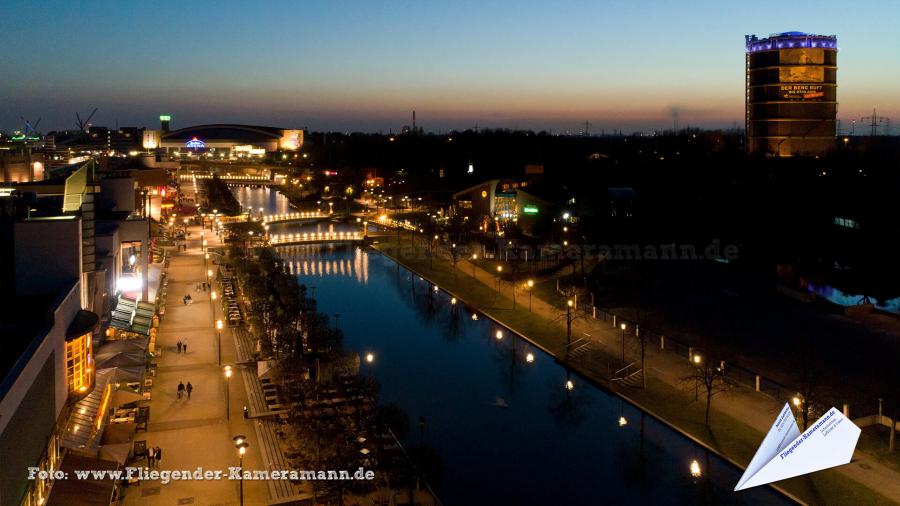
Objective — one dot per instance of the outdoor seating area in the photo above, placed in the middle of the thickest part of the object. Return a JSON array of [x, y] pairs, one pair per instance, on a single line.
[[231, 303]]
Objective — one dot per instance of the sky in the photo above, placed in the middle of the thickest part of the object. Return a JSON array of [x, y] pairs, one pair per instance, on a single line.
[[365, 66]]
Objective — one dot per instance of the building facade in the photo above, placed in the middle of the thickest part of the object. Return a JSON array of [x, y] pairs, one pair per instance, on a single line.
[[791, 94]]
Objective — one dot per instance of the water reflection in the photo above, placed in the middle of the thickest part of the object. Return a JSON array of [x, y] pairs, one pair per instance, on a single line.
[[317, 261], [509, 424]]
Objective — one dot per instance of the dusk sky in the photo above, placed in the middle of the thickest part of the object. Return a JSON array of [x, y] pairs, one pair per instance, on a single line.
[[349, 65]]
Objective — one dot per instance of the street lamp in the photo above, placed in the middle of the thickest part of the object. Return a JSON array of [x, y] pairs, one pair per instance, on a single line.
[[623, 327], [499, 271], [370, 357], [219, 326], [530, 284], [240, 442], [569, 305], [227, 393], [474, 257], [697, 360]]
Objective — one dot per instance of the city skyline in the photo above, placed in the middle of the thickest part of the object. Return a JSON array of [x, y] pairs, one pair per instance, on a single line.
[[366, 67]]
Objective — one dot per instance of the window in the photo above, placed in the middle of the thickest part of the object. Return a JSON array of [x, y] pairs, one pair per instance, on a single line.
[[846, 222], [79, 364]]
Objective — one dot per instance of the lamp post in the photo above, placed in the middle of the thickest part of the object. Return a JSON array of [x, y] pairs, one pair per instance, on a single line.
[[431, 254], [569, 305], [499, 271], [530, 287], [227, 393], [219, 326], [474, 257], [240, 442], [623, 327], [696, 359]]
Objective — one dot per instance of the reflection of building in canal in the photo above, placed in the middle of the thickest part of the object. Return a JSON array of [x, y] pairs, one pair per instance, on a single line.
[[308, 261]]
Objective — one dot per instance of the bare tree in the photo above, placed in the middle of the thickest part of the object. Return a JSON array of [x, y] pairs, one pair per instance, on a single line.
[[709, 377]]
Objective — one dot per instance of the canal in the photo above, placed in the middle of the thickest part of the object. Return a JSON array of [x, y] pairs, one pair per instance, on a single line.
[[508, 423]]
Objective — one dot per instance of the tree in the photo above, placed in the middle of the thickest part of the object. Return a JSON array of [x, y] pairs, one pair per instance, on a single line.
[[710, 378]]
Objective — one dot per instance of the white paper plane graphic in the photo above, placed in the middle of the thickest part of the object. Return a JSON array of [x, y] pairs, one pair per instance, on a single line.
[[785, 452]]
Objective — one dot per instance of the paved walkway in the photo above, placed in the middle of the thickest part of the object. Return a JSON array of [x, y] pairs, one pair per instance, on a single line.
[[755, 409], [195, 433]]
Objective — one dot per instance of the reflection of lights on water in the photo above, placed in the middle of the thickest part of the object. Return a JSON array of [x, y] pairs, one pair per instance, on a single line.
[[453, 300], [499, 334], [474, 316], [298, 262], [696, 472], [570, 385], [622, 421], [529, 357]]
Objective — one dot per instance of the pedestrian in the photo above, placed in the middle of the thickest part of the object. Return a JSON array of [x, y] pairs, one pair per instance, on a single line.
[[151, 454], [184, 346], [184, 300], [179, 346], [158, 455], [190, 388], [180, 389]]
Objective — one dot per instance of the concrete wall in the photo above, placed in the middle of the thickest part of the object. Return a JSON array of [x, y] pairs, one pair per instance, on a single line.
[[31, 407], [120, 191], [21, 166], [47, 253]]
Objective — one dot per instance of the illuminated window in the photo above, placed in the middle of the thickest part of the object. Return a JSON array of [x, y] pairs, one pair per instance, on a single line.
[[79, 364]]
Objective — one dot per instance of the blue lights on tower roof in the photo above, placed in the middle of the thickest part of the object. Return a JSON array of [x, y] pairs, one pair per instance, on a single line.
[[787, 40]]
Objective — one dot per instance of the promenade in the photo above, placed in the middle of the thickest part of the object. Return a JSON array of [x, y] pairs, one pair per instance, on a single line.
[[740, 417], [195, 433]]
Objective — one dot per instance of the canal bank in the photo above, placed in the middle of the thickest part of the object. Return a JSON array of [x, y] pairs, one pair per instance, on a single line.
[[496, 411], [728, 437], [503, 421]]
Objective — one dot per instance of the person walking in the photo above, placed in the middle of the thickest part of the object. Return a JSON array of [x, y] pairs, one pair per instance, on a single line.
[[190, 388], [151, 456], [180, 389], [184, 346], [179, 346], [158, 455]]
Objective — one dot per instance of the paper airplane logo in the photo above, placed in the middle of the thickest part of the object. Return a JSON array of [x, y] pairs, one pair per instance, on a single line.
[[785, 452]]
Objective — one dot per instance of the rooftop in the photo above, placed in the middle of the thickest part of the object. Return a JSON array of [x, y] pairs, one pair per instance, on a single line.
[[787, 40]]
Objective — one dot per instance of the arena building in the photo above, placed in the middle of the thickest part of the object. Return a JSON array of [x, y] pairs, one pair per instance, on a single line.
[[226, 138]]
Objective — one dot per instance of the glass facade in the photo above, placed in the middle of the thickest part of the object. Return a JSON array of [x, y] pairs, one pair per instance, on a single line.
[[79, 364]]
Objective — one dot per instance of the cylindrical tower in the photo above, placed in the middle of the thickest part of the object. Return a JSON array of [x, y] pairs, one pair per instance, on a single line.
[[791, 94]]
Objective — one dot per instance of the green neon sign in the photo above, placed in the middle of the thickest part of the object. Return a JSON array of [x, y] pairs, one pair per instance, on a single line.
[[165, 117], [530, 210]]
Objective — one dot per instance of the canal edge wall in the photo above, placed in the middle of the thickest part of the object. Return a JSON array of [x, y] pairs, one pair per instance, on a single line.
[[591, 380]]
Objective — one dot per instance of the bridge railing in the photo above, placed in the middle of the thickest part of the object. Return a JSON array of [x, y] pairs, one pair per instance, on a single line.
[[390, 222], [271, 218], [314, 237]]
